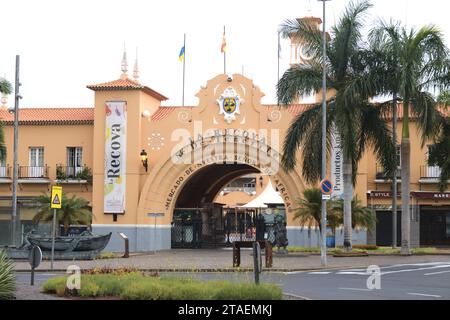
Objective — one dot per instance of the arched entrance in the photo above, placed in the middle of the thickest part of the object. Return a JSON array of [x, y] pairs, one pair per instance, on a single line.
[[198, 220], [175, 185]]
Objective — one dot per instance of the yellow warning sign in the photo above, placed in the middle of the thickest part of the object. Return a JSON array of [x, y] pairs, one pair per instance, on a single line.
[[56, 197]]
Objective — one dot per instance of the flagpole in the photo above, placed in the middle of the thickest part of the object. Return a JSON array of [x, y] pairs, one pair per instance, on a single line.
[[224, 55], [278, 80], [184, 66]]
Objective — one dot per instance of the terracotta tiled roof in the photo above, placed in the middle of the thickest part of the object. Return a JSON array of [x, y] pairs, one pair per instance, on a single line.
[[164, 112], [126, 84], [42, 116]]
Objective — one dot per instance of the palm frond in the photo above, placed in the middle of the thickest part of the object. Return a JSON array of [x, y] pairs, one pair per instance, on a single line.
[[298, 80], [5, 86], [304, 31], [347, 36]]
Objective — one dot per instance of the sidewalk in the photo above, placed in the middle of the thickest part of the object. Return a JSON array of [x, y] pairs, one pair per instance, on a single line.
[[220, 260]]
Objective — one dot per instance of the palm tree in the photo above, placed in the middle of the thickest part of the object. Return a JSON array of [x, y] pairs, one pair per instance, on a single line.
[[421, 63], [74, 210], [308, 212], [362, 216], [5, 88], [350, 83]]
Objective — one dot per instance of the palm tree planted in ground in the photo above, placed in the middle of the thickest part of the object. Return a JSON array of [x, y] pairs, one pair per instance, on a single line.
[[421, 64], [74, 210], [350, 84], [309, 209], [362, 217]]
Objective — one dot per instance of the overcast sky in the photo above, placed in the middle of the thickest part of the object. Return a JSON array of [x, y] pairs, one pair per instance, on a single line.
[[66, 45]]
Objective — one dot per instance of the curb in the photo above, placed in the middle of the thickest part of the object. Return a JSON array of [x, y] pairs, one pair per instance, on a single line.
[[291, 296], [205, 270]]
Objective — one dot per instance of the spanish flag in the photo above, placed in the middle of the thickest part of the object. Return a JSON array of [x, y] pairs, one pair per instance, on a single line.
[[224, 43], [181, 55]]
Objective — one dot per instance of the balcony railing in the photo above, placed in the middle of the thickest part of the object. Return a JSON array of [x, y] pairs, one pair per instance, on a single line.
[[5, 172], [381, 174], [73, 173], [33, 172], [427, 172]]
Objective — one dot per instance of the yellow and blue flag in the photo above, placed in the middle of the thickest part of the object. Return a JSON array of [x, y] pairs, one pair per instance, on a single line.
[[181, 55]]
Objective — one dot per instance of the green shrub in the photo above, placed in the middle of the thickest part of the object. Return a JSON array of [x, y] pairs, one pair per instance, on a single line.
[[7, 278], [52, 285], [135, 286]]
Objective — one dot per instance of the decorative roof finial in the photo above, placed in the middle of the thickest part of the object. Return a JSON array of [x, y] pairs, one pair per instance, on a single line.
[[136, 67], [124, 63]]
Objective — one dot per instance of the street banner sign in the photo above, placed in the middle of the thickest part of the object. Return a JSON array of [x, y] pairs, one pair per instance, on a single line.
[[56, 197], [326, 186]]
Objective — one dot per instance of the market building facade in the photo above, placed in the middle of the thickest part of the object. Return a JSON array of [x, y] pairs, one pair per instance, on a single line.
[[151, 171]]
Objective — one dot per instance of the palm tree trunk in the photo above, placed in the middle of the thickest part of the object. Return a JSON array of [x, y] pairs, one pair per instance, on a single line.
[[405, 153], [348, 195]]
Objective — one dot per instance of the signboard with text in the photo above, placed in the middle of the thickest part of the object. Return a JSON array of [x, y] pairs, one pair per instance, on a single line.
[[337, 177], [115, 156]]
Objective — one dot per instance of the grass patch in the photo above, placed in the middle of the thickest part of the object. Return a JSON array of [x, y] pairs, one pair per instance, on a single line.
[[424, 250], [108, 255], [136, 286], [371, 249]]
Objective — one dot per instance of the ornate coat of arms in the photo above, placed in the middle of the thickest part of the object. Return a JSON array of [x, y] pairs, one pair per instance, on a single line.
[[229, 103]]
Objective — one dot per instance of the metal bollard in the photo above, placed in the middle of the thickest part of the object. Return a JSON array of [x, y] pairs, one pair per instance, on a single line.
[[127, 248], [257, 261]]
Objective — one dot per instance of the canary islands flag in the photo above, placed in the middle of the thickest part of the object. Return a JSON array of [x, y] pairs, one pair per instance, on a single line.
[[181, 55]]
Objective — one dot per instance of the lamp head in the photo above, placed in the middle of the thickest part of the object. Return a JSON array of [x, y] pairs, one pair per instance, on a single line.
[[144, 159]]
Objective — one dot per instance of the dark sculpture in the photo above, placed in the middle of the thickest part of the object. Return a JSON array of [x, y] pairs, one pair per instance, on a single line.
[[280, 233]]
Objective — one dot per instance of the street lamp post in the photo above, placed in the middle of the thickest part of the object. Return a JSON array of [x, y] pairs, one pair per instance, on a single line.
[[323, 251], [15, 168]]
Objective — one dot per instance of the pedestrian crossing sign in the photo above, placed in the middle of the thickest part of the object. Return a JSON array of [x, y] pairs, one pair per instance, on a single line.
[[56, 197]]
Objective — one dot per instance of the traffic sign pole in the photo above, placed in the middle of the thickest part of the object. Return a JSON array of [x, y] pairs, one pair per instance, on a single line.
[[53, 238], [56, 203], [326, 187]]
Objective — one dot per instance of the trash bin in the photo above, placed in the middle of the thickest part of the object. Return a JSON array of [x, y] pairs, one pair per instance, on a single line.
[[331, 241]]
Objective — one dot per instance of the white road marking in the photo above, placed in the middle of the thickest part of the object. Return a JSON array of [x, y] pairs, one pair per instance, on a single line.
[[424, 295], [320, 272], [430, 266], [355, 289], [433, 273], [417, 269]]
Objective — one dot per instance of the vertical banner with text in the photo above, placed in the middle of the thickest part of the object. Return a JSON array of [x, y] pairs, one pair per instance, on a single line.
[[337, 177], [115, 156]]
